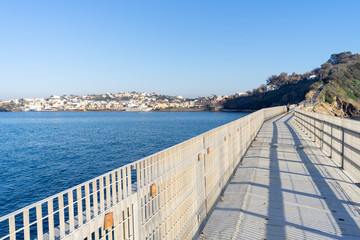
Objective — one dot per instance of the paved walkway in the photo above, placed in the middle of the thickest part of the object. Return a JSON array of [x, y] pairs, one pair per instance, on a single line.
[[286, 188]]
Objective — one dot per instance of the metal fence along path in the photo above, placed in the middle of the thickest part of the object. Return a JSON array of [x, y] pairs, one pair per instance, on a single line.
[[167, 195], [287, 188], [339, 138]]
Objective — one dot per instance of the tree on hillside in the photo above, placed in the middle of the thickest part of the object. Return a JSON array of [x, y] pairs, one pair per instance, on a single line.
[[263, 88], [340, 58], [295, 77], [326, 65]]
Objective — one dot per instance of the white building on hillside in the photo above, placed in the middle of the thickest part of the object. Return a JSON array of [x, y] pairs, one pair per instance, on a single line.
[[311, 77]]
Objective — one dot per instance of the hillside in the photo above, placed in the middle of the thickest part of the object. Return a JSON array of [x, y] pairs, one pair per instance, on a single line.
[[334, 88], [287, 94], [341, 94]]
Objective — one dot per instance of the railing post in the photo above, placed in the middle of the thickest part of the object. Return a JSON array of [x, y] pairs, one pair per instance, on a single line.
[[308, 126], [205, 203], [314, 130], [331, 137], [342, 148], [137, 217], [322, 135], [12, 228]]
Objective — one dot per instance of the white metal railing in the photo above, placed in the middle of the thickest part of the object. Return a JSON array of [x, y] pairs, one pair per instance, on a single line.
[[176, 190], [337, 137]]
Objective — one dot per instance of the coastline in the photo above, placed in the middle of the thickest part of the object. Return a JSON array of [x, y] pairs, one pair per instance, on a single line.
[[156, 110], [237, 110], [182, 110]]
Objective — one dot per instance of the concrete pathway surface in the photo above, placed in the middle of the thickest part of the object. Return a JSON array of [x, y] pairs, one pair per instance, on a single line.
[[286, 188]]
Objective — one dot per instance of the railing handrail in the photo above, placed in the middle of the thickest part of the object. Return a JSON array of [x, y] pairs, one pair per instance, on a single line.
[[305, 113]]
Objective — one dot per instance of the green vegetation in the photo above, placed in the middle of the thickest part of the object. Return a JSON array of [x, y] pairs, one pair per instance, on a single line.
[[342, 78], [351, 95], [9, 107], [290, 93], [340, 91], [328, 98], [339, 76], [284, 78], [317, 84]]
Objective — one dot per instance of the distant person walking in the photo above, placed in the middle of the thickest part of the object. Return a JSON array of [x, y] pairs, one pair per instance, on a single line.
[[288, 107]]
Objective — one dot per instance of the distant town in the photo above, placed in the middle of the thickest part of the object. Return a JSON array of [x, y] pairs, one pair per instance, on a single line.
[[145, 102], [122, 101], [130, 101]]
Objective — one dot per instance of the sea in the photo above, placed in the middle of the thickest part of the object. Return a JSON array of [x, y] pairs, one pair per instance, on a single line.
[[43, 153]]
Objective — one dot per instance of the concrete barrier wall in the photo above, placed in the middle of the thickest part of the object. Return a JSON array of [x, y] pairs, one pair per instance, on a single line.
[[174, 192], [339, 138]]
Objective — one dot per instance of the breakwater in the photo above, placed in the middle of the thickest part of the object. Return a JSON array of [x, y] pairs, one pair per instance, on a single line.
[[174, 192]]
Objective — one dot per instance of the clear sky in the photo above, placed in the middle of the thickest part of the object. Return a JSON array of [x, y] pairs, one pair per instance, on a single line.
[[189, 48]]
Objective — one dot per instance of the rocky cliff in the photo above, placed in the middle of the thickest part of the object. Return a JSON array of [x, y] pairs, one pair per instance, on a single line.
[[341, 92], [338, 107]]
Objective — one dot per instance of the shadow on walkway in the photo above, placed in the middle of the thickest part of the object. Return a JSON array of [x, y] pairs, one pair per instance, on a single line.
[[325, 189], [283, 190], [275, 188]]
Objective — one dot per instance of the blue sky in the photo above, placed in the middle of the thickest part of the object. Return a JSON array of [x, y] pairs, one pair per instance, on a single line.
[[188, 48]]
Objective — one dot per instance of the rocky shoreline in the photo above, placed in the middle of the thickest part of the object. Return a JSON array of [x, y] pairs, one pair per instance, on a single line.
[[338, 108]]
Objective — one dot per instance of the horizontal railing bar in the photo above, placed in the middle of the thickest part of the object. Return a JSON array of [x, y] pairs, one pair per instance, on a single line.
[[339, 139], [59, 194], [330, 123], [328, 134], [5, 217]]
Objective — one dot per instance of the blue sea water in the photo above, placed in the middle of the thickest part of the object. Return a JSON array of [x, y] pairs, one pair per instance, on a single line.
[[42, 153]]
